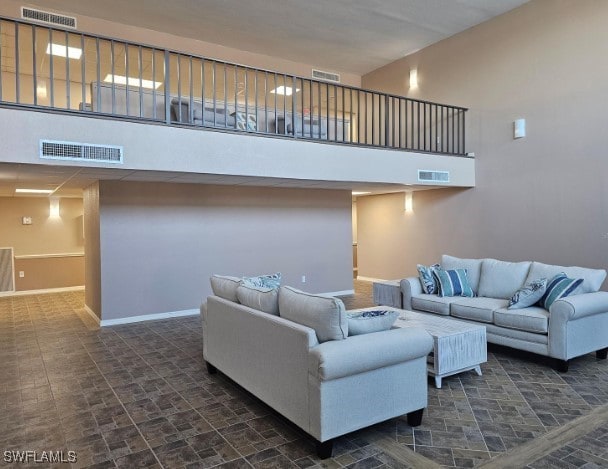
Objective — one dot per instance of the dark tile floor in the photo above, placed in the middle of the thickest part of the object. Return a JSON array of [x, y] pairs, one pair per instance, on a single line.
[[138, 395]]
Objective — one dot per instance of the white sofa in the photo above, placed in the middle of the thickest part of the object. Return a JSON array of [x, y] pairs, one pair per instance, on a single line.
[[328, 389], [573, 326]]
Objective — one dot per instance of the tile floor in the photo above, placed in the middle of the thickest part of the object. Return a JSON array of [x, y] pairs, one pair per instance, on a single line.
[[138, 395]]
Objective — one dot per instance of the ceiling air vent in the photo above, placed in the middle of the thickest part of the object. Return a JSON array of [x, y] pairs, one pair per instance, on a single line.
[[73, 151], [325, 76], [433, 176], [48, 18]]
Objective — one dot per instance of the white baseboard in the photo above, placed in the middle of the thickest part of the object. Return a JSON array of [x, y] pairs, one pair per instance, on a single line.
[[370, 279], [149, 317], [92, 314], [338, 293], [42, 292]]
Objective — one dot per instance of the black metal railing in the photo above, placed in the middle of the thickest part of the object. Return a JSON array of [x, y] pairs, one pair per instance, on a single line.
[[62, 69]]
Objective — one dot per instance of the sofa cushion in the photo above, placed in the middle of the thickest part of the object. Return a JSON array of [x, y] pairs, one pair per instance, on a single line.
[[592, 278], [476, 309], [453, 282], [501, 279], [428, 281], [264, 281], [529, 294], [532, 319], [558, 287], [472, 266], [326, 315], [225, 286], [432, 303], [364, 322], [260, 298]]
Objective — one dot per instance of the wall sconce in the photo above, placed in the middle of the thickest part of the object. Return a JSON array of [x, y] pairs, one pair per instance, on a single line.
[[413, 78], [409, 202], [54, 207]]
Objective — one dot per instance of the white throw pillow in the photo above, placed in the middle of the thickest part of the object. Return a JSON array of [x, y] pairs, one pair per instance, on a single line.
[[326, 315], [260, 298]]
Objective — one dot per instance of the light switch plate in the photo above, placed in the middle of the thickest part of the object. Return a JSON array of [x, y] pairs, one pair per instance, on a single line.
[[26, 220]]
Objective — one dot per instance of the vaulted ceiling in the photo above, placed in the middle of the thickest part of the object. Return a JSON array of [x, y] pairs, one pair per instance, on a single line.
[[354, 36]]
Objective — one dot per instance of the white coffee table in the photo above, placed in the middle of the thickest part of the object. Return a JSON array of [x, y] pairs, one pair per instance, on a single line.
[[458, 346]]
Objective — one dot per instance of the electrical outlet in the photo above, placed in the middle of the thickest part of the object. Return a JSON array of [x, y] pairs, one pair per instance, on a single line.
[[21, 274], [303, 278], [26, 220]]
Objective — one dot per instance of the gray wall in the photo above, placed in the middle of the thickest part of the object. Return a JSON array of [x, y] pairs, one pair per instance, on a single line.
[[92, 260], [544, 197], [161, 242]]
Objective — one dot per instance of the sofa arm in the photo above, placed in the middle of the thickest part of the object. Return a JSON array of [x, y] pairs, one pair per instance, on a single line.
[[361, 353], [579, 306], [410, 287]]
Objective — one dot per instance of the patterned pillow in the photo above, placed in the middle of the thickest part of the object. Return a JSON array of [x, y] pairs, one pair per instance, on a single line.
[[427, 279], [529, 294], [558, 287], [453, 283], [263, 281]]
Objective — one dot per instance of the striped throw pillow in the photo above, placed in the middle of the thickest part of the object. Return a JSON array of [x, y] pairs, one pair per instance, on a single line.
[[453, 283], [558, 287]]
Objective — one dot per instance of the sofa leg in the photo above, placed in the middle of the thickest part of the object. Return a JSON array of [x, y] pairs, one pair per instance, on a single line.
[[561, 365], [325, 449], [602, 354], [414, 419], [211, 369]]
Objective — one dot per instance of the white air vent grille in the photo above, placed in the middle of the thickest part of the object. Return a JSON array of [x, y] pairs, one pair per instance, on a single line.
[[74, 151], [326, 76], [7, 273], [433, 176], [48, 18]]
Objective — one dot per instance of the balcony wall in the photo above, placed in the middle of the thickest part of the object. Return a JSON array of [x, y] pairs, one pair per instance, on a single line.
[[169, 148]]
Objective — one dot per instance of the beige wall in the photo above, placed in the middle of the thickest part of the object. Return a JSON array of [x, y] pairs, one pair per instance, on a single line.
[[39, 248], [12, 9], [160, 242], [92, 269], [45, 235], [543, 197], [49, 272]]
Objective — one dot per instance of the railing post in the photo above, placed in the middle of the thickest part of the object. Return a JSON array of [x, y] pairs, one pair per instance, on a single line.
[[386, 121], [167, 84]]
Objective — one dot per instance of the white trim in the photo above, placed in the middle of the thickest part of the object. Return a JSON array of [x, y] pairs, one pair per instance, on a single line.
[[149, 317], [47, 256], [42, 292], [92, 314], [338, 293], [370, 279]]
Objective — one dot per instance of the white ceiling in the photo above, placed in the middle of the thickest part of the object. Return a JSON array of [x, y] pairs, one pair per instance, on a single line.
[[68, 181], [354, 36]]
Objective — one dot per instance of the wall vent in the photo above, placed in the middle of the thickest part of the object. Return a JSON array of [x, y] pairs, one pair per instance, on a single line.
[[48, 18], [326, 76], [74, 151], [7, 270], [433, 176]]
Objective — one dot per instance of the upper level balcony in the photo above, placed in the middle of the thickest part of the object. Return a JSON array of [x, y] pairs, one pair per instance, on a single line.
[[71, 76]]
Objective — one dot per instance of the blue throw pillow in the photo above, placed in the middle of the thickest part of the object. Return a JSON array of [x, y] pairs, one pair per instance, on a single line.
[[558, 287], [427, 279], [453, 283], [529, 294], [263, 281]]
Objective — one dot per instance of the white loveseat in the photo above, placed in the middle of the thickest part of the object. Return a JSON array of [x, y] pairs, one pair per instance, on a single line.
[[328, 389], [573, 326]]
